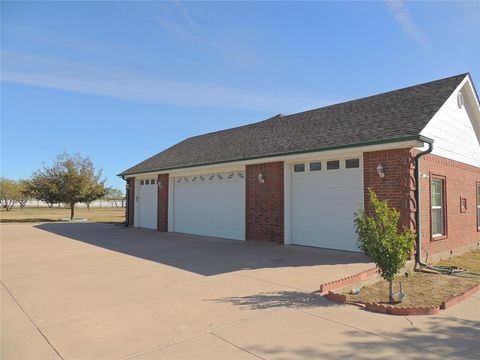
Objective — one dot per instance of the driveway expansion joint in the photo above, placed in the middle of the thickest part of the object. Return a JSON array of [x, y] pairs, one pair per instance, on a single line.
[[31, 320]]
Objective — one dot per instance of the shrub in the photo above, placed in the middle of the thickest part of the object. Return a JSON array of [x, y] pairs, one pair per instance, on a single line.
[[380, 238]]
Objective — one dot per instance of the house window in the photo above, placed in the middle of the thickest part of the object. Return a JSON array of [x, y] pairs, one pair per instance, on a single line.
[[333, 165], [315, 166], [299, 168], [438, 207], [478, 205], [352, 163]]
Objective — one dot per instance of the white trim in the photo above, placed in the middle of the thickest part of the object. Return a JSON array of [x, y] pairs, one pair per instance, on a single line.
[[236, 165], [287, 205], [171, 183]]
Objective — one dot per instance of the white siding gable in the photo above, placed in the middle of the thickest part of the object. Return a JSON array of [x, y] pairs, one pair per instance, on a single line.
[[456, 131]]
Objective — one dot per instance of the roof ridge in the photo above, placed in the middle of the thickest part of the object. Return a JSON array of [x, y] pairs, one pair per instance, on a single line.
[[374, 95]]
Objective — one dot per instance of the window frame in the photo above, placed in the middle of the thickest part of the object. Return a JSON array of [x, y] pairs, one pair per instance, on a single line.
[[335, 161], [444, 235], [357, 160], [477, 195], [316, 163], [299, 172]]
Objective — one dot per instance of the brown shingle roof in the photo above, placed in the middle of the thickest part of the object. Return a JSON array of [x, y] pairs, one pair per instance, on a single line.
[[395, 114]]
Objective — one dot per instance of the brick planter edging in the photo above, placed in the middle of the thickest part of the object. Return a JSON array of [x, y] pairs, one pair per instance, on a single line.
[[394, 310], [349, 280], [460, 297], [385, 309], [336, 297]]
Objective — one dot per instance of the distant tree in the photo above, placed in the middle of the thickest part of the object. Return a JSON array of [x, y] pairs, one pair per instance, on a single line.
[[43, 186], [114, 195], [379, 237], [24, 194], [70, 180], [10, 193], [97, 191]]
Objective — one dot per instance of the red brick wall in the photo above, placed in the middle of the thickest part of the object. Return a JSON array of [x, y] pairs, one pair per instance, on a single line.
[[398, 187], [398, 184], [460, 181], [131, 201], [162, 203], [265, 202]]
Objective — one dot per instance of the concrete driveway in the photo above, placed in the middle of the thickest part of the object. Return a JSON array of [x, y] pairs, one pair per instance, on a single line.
[[99, 291]]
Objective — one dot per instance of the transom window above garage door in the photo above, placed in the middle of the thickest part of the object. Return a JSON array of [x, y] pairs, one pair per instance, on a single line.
[[334, 164], [147, 182]]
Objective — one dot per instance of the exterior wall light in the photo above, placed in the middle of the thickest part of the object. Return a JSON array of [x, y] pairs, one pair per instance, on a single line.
[[160, 184], [380, 171], [261, 180]]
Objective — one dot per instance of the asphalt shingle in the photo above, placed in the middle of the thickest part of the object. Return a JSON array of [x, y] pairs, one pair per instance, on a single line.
[[395, 114]]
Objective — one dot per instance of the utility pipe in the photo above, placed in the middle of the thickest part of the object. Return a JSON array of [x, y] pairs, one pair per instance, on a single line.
[[418, 255]]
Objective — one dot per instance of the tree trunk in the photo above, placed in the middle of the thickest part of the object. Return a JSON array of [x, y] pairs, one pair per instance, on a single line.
[[390, 292], [10, 205], [72, 210]]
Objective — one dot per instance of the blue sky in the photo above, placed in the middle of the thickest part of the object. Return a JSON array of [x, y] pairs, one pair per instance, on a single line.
[[121, 81]]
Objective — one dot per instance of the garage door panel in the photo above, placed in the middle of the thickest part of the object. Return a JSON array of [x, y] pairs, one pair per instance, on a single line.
[[146, 204], [212, 205], [323, 207]]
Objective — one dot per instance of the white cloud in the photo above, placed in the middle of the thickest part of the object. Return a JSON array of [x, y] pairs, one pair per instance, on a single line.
[[402, 16], [51, 73]]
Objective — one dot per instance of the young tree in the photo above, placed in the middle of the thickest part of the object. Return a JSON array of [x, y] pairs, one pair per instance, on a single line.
[[70, 180], [10, 193], [114, 195], [379, 237]]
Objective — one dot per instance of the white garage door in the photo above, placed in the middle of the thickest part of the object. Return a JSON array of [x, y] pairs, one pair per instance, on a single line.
[[146, 204], [325, 195], [212, 205]]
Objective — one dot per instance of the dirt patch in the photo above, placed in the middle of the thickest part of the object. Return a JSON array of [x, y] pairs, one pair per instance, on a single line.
[[424, 289]]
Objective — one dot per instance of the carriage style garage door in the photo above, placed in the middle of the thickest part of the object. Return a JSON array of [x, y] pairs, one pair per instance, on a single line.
[[325, 195], [210, 204], [146, 204]]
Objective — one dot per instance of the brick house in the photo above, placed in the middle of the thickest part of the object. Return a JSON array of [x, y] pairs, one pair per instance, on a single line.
[[298, 179]]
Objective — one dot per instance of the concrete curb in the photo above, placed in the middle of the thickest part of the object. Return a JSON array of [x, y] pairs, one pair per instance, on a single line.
[[460, 297], [349, 280]]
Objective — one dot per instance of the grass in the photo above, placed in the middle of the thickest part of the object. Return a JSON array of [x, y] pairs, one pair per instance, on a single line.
[[17, 215], [469, 261], [424, 289]]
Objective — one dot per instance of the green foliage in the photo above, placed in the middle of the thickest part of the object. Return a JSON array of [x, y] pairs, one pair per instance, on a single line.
[[379, 237], [114, 194], [12, 192], [70, 180]]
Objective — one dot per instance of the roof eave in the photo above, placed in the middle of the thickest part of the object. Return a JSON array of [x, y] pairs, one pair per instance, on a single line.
[[420, 138]]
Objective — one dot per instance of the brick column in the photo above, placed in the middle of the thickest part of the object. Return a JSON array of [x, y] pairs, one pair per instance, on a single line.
[[162, 203], [398, 184], [265, 202], [131, 201]]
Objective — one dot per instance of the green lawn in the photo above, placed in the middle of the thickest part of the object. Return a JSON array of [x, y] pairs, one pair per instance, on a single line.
[[111, 215]]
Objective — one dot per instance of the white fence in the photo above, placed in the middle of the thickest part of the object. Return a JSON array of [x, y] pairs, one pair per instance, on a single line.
[[93, 204]]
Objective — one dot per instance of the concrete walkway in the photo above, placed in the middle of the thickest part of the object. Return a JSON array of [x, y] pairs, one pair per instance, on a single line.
[[98, 291]]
